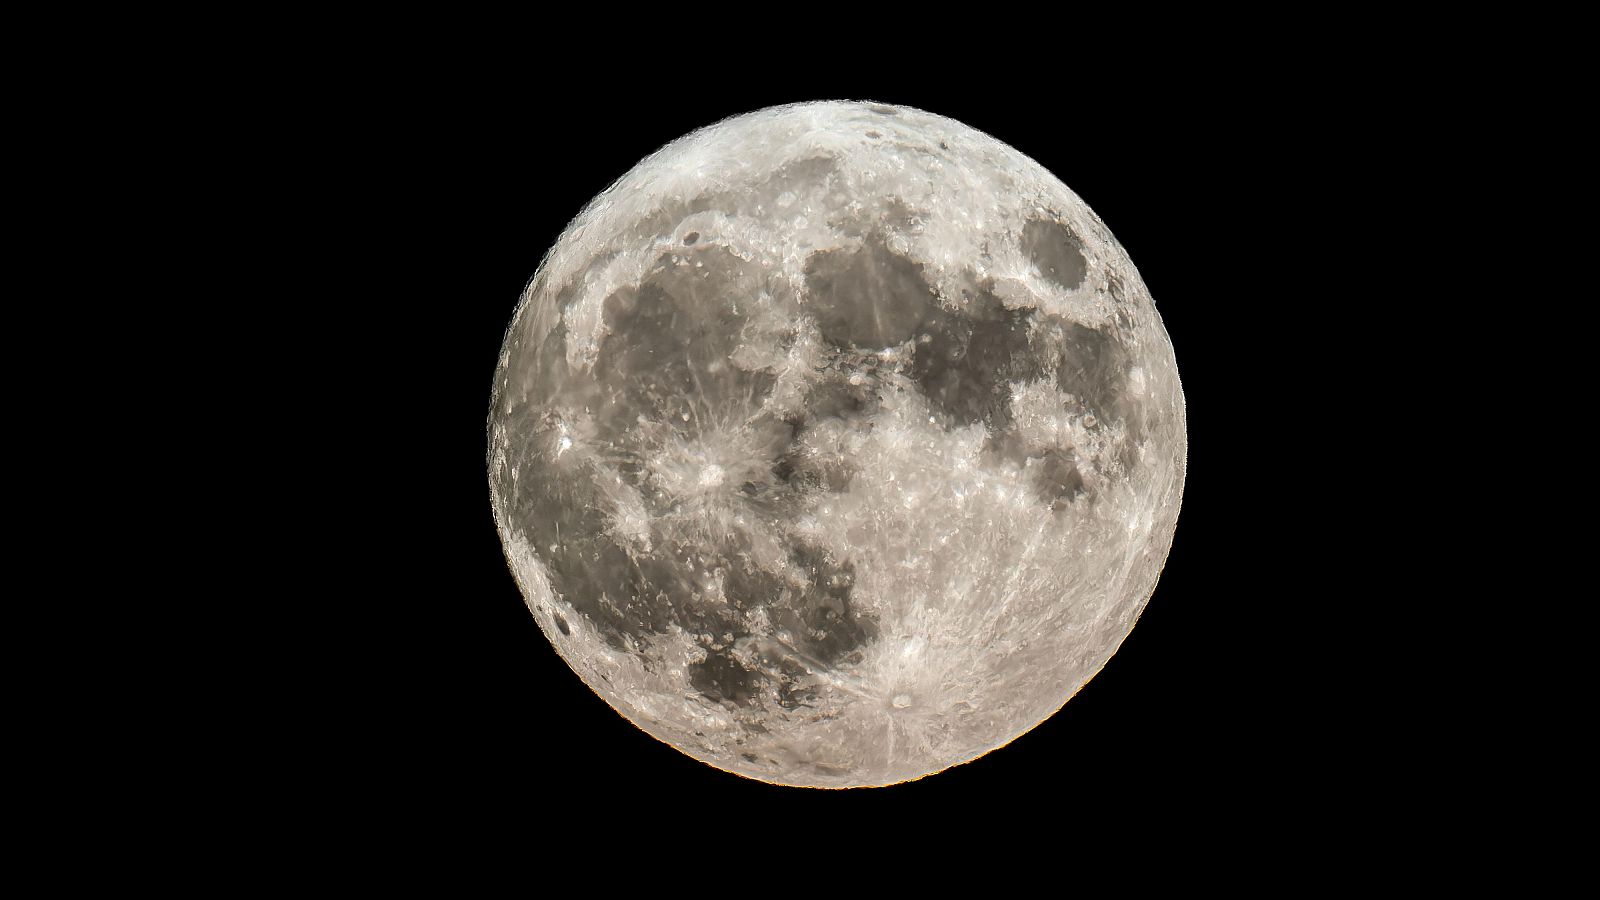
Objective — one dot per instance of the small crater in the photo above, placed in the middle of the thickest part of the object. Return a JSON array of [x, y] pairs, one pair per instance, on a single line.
[[561, 623], [884, 110], [691, 237], [874, 135], [1055, 251]]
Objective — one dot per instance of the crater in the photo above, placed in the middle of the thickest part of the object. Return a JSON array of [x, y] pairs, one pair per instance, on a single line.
[[1056, 252]]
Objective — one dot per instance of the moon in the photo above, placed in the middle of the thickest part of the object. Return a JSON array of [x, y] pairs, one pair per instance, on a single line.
[[836, 444]]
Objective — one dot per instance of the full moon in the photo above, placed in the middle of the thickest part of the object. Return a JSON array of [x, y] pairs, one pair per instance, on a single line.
[[836, 444]]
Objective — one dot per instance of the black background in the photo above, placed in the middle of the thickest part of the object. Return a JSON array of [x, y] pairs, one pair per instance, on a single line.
[[456, 707]]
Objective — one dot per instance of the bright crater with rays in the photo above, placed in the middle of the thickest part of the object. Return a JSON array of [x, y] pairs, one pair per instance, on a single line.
[[836, 444]]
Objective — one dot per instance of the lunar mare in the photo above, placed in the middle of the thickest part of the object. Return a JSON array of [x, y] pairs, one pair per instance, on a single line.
[[836, 444]]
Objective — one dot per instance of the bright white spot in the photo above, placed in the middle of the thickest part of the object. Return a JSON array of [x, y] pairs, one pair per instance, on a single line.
[[711, 475], [901, 701]]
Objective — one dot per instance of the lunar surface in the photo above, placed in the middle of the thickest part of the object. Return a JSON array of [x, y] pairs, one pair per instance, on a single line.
[[836, 444]]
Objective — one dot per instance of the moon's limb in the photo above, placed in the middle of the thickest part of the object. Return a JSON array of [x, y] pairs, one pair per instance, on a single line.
[[836, 444]]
